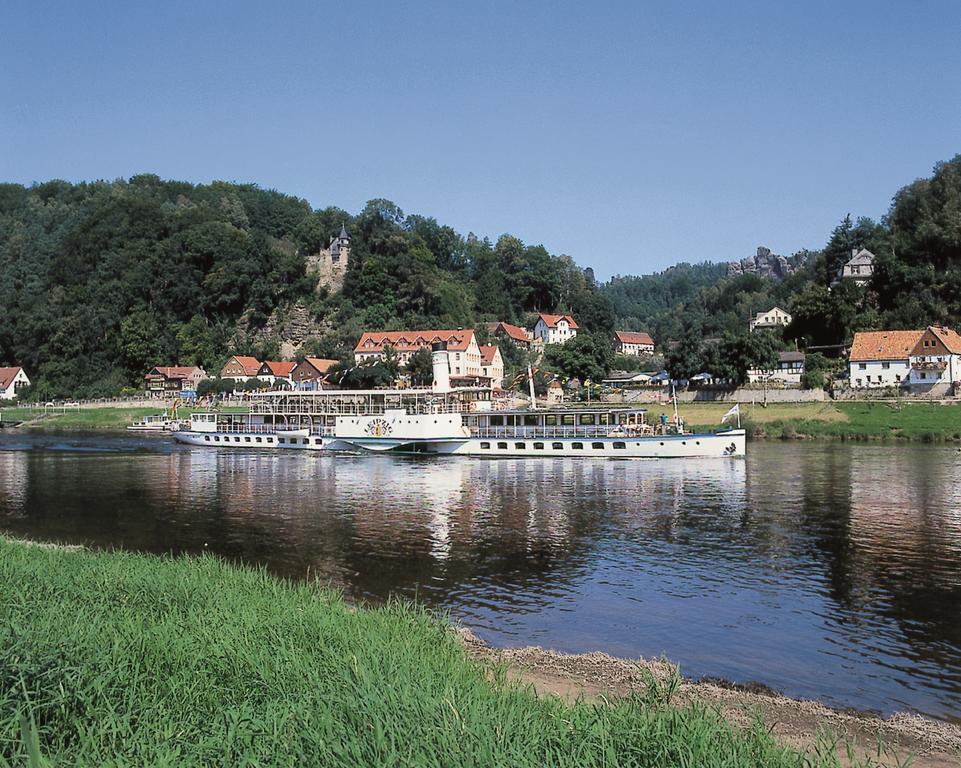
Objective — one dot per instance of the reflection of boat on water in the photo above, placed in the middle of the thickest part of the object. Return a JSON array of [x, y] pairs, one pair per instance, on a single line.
[[442, 420]]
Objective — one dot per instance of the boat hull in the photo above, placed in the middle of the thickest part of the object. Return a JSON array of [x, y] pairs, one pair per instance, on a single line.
[[728, 444]]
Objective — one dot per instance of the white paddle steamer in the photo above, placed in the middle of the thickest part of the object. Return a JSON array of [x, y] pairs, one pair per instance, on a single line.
[[442, 420]]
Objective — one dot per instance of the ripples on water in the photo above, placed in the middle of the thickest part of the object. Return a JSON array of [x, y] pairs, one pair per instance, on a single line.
[[826, 571]]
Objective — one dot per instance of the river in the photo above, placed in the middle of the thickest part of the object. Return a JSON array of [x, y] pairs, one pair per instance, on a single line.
[[829, 571]]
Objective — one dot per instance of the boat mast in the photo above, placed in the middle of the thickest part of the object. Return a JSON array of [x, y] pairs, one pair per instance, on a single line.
[[530, 384]]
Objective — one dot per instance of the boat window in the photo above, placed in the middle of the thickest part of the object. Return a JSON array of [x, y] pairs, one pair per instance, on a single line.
[[520, 446], [497, 421], [269, 439], [283, 440], [597, 446], [577, 446], [620, 446], [207, 438], [557, 446], [485, 446], [568, 419], [502, 446], [604, 418], [587, 418], [538, 446], [258, 439], [550, 420], [530, 421], [247, 439], [318, 441], [236, 439]]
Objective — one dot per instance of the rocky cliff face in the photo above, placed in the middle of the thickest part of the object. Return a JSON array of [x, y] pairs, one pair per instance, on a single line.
[[763, 263], [290, 327]]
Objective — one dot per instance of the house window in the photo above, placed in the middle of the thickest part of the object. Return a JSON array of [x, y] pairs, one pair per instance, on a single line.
[[886, 366], [897, 377], [862, 366], [858, 381]]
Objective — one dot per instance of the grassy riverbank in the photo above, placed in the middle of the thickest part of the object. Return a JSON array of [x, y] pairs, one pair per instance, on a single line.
[[127, 659], [925, 422], [106, 417]]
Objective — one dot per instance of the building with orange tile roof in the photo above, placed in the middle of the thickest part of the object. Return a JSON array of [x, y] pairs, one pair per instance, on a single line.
[[170, 379], [881, 358], [633, 343], [276, 371], [492, 365], [240, 368], [520, 336], [464, 354], [554, 329], [936, 361], [310, 372]]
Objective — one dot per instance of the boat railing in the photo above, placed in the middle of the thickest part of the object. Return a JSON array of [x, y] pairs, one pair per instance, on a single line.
[[354, 409], [587, 431]]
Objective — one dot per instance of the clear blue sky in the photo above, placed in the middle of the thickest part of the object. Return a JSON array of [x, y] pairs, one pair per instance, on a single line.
[[630, 135]]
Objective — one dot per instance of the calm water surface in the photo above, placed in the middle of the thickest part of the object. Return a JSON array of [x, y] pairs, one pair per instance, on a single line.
[[828, 571]]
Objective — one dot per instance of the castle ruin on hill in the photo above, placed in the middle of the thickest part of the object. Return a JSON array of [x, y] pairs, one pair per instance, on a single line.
[[330, 263]]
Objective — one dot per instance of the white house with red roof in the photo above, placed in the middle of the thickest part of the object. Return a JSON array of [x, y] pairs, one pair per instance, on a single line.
[[492, 365], [12, 380], [463, 352], [935, 361], [554, 329], [276, 371], [881, 358], [170, 379], [633, 343], [240, 368]]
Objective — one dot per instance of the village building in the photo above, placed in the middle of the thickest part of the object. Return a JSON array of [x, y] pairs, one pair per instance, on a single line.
[[881, 358], [774, 319], [240, 368], [519, 336], [554, 329], [492, 365], [276, 372], [627, 379], [555, 392], [310, 372], [464, 355], [935, 362], [330, 263], [164, 380], [12, 381], [859, 268], [632, 343], [789, 370]]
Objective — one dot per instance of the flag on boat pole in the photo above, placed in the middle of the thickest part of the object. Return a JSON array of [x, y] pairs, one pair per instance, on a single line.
[[735, 411]]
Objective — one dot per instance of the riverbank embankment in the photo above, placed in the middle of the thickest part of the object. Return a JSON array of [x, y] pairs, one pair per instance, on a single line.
[[882, 421], [125, 658]]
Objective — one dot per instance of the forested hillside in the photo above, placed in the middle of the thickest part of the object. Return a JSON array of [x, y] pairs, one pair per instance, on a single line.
[[100, 281], [917, 280]]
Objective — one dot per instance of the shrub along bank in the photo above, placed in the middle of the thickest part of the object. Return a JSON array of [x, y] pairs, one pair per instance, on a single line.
[[113, 658]]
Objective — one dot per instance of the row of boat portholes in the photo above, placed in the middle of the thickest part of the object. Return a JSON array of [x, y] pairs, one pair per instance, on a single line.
[[617, 446]]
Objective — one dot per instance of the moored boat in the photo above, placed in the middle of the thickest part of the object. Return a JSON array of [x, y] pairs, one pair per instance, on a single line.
[[442, 420]]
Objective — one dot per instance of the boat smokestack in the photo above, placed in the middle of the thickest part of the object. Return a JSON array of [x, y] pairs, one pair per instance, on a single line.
[[438, 357]]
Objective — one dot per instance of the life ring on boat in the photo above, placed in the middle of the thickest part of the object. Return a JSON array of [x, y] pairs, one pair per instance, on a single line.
[[472, 406]]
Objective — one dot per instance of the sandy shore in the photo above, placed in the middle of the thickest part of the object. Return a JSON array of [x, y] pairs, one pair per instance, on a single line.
[[892, 740]]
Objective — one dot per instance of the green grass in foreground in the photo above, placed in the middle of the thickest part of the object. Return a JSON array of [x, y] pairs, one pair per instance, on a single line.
[[124, 659], [88, 418]]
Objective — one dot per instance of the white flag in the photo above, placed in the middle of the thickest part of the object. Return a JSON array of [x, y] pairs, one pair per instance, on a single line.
[[735, 411]]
